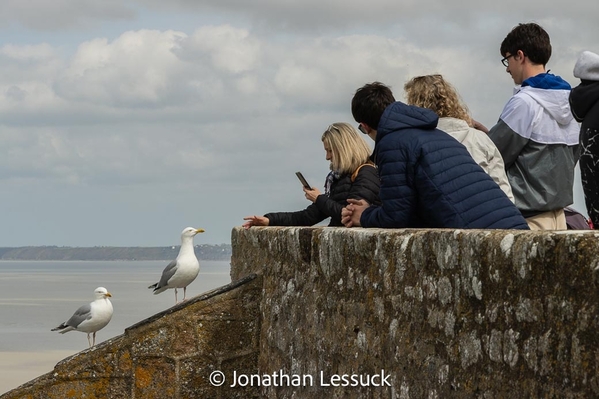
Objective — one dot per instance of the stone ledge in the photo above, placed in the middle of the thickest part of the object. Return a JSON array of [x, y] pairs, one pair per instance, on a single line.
[[460, 314]]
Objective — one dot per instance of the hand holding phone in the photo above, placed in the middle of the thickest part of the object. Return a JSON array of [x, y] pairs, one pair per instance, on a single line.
[[303, 180]]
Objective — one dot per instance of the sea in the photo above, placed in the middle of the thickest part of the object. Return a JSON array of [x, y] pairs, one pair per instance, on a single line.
[[36, 296]]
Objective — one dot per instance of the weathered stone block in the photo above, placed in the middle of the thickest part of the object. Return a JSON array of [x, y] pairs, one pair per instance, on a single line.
[[245, 364], [109, 359], [155, 378], [89, 388], [239, 336], [195, 377]]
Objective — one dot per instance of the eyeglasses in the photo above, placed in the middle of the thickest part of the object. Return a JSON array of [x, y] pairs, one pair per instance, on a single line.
[[505, 61], [361, 128]]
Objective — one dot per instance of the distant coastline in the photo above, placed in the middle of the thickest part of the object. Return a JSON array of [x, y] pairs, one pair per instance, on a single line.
[[203, 252]]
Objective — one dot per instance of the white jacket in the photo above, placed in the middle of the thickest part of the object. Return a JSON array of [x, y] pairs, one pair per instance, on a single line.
[[481, 148], [537, 137]]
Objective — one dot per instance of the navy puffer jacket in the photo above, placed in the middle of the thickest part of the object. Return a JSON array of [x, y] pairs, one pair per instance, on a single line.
[[428, 179]]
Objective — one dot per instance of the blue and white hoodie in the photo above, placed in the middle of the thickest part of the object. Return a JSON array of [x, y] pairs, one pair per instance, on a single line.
[[538, 140]]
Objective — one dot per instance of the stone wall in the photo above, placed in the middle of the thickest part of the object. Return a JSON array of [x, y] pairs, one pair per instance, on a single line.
[[441, 313], [365, 313]]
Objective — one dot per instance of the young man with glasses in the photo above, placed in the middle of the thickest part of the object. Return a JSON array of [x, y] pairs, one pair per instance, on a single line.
[[536, 133], [428, 179]]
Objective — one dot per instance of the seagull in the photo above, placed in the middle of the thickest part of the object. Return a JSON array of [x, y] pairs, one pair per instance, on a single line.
[[90, 318], [183, 270]]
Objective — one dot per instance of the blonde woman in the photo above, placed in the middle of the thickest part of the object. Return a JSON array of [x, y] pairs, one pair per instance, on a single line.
[[352, 176], [435, 93]]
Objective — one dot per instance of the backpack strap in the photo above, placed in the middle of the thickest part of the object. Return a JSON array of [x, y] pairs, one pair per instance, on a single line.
[[355, 174]]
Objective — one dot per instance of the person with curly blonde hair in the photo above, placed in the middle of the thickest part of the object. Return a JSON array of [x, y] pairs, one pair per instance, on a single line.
[[437, 94]]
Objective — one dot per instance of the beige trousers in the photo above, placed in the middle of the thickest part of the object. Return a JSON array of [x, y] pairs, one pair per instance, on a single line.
[[552, 220]]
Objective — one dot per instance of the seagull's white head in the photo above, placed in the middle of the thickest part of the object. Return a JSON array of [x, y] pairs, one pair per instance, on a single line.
[[190, 232], [101, 293]]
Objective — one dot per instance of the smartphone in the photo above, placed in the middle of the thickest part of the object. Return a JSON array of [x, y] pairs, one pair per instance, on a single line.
[[303, 180]]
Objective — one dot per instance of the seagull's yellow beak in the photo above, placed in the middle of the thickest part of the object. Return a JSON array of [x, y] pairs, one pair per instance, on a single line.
[[199, 231], [108, 294]]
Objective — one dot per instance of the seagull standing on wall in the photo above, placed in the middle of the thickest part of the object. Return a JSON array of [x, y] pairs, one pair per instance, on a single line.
[[90, 318], [183, 270]]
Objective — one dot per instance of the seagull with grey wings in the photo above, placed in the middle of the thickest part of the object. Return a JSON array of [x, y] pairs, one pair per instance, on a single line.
[[90, 318], [182, 271]]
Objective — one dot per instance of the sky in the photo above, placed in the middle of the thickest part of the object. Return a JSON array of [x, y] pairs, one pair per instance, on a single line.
[[123, 122]]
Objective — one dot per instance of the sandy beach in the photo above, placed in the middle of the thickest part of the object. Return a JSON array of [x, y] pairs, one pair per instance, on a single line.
[[17, 368]]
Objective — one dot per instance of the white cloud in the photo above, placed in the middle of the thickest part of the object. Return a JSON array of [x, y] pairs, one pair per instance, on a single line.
[[27, 53], [137, 69], [26, 73], [227, 48]]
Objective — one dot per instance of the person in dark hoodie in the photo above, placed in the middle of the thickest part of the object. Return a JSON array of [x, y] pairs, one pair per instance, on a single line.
[[352, 175], [428, 179], [536, 133], [584, 102]]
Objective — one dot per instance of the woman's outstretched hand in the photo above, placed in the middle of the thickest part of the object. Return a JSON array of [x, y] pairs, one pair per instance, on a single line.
[[255, 221]]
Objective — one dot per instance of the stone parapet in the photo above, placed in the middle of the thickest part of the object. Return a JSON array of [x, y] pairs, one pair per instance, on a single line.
[[445, 313]]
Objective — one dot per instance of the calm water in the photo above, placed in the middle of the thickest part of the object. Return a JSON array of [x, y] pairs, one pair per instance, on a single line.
[[36, 296]]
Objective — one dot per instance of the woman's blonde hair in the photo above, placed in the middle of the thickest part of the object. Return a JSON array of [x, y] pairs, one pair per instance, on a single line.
[[435, 93], [348, 148]]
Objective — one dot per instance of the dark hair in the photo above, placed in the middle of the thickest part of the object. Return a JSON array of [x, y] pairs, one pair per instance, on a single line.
[[370, 102], [531, 39]]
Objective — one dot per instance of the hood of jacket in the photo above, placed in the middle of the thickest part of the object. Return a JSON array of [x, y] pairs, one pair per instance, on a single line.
[[398, 116], [583, 97], [551, 92], [458, 128]]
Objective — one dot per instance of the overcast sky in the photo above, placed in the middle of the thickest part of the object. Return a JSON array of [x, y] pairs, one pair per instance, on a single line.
[[122, 122]]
